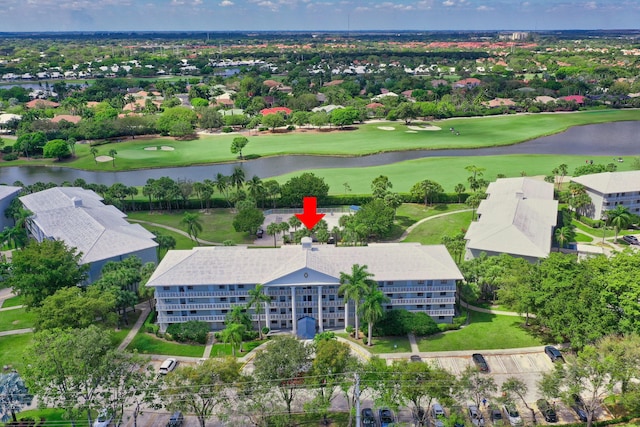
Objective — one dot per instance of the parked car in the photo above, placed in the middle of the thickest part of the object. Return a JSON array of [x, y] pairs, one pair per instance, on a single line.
[[578, 408], [480, 362], [259, 233], [438, 415], [496, 415], [368, 419], [176, 420], [104, 419], [386, 417], [547, 411], [632, 240], [512, 415], [168, 365], [476, 416], [419, 417], [553, 353], [416, 358]]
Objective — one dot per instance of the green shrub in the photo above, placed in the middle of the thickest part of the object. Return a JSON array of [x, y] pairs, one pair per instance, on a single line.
[[10, 157], [593, 223], [400, 322], [265, 330], [227, 129], [291, 127], [191, 331], [249, 336], [7, 149]]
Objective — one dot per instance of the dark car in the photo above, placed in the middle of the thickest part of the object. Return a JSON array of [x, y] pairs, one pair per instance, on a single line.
[[480, 362], [553, 353], [632, 240], [416, 358], [176, 420], [368, 419], [547, 411], [386, 417], [496, 415], [260, 233], [578, 408]]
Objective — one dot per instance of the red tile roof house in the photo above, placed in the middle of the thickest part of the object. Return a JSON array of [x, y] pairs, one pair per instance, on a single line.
[[276, 110], [41, 103], [469, 83], [67, 118], [578, 99]]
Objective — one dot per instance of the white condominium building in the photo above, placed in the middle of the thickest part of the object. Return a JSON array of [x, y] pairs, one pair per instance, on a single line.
[[303, 280]]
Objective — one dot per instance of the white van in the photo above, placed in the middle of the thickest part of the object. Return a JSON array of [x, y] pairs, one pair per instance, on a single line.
[[168, 366]]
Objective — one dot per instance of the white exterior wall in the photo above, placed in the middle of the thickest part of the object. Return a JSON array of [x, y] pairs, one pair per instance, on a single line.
[[211, 303], [629, 199]]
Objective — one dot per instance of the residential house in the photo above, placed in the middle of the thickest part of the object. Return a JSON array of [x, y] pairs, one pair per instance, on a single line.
[[205, 283], [80, 219], [469, 83], [610, 189], [516, 218], [7, 194]]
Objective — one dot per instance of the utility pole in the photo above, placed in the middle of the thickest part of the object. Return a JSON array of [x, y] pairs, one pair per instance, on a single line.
[[356, 395]]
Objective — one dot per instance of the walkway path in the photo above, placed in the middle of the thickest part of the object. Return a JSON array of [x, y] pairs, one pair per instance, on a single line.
[[413, 343], [144, 306], [429, 218], [16, 332], [175, 230]]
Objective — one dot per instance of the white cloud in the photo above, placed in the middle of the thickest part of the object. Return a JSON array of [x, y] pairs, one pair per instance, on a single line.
[[484, 8], [448, 3], [591, 5], [226, 3]]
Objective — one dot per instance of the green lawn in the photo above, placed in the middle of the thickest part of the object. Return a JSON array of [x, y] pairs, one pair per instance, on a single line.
[[217, 224], [12, 349], [485, 332], [182, 242], [222, 349], [410, 213], [13, 301], [366, 139], [149, 344], [383, 344], [583, 238], [53, 417], [431, 232], [119, 335], [16, 319]]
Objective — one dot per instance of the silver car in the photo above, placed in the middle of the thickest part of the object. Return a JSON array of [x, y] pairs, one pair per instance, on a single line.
[[476, 416]]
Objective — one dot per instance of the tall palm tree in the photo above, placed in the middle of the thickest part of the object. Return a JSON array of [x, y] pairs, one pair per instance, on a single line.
[[112, 154], [564, 235], [259, 299], [256, 188], [94, 151], [619, 218], [237, 177], [272, 230], [354, 287], [221, 183], [233, 334], [193, 223], [371, 309]]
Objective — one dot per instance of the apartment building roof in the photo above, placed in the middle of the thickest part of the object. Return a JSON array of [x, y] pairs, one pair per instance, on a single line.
[[611, 182]]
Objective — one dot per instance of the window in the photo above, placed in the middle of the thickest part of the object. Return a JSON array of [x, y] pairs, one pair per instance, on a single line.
[[444, 282], [390, 283], [274, 310], [442, 306], [192, 312], [240, 286], [420, 294], [332, 309], [166, 288], [223, 299], [420, 282], [241, 298], [443, 293], [170, 312], [191, 300], [190, 288], [224, 311], [429, 282], [221, 287], [283, 311], [420, 306], [340, 308], [441, 317]]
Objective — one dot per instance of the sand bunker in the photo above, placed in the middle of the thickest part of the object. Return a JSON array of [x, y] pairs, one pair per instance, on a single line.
[[411, 131], [103, 159], [424, 128], [386, 128], [151, 148], [166, 148]]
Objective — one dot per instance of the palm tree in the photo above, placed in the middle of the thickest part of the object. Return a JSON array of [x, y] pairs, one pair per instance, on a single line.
[[193, 223], [237, 177], [272, 230], [354, 287], [259, 299], [619, 218], [233, 334], [221, 183], [94, 151], [564, 235], [459, 189], [256, 188], [371, 309], [112, 154], [294, 222]]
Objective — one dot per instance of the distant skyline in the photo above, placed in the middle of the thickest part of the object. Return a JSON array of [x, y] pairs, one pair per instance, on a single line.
[[316, 15]]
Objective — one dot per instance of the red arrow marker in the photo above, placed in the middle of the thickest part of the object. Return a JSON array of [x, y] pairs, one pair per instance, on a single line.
[[309, 216]]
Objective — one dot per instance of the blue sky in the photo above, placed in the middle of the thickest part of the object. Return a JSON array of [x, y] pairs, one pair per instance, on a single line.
[[228, 15]]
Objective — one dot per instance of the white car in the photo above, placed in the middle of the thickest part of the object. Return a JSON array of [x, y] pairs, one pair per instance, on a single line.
[[168, 366], [513, 415], [476, 416], [104, 418]]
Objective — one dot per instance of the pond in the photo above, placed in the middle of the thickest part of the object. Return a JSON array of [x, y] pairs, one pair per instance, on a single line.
[[618, 139]]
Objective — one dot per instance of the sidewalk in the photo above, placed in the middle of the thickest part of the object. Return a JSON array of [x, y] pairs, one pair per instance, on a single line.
[[136, 327]]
